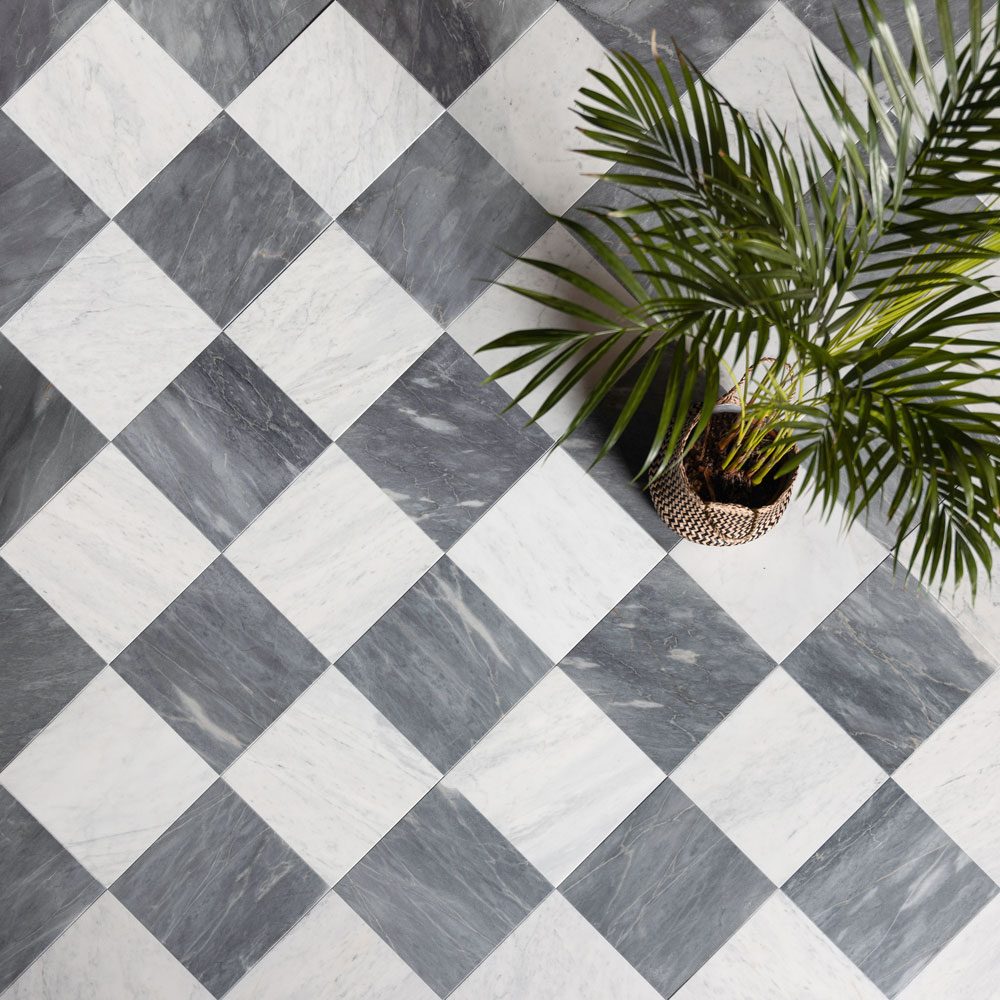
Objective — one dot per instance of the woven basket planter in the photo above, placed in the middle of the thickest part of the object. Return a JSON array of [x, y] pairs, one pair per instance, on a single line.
[[702, 521]]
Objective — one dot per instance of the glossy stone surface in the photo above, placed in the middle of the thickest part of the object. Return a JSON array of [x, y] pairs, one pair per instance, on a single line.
[[223, 219], [220, 664], [439, 445], [218, 888], [443, 859], [444, 664], [222, 441], [890, 889]]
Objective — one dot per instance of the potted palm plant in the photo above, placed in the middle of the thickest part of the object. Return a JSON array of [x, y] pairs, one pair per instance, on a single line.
[[820, 307]]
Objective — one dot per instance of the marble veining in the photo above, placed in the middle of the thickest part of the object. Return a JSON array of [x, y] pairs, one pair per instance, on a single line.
[[223, 219], [220, 664], [890, 889], [444, 664], [359, 109], [88, 775], [444, 44], [43, 664], [667, 664], [890, 665], [46, 218], [331, 776], [667, 888], [44, 889], [218, 888], [44, 440], [443, 219], [111, 108], [222, 441], [108, 552], [351, 338], [443, 888], [31, 32], [439, 444], [224, 44], [555, 776]]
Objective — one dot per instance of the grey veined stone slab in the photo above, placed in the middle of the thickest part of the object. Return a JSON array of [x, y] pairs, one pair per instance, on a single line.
[[890, 888]]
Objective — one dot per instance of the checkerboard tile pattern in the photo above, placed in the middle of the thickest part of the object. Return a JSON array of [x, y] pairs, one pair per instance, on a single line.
[[320, 678]]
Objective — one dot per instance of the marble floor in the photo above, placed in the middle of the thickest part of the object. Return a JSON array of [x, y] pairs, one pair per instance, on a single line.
[[319, 679]]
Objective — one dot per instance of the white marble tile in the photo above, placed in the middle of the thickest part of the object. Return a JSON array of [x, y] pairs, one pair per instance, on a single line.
[[955, 776], [334, 346], [520, 109], [555, 776], [556, 553], [782, 585], [111, 330], [979, 614], [968, 966], [779, 776], [107, 955], [554, 955], [498, 311], [335, 109], [333, 553], [779, 954], [764, 71], [109, 552], [332, 775], [107, 776], [331, 954], [111, 108]]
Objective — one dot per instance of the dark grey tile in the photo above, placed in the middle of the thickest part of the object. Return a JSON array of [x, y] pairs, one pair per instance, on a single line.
[[667, 665], [890, 665], [45, 217], [43, 664], [447, 44], [439, 445], [890, 888], [220, 664], [443, 888], [31, 31], [223, 219], [43, 888], [44, 439], [224, 44], [218, 888], [667, 888], [444, 664], [703, 31], [444, 218], [222, 441]]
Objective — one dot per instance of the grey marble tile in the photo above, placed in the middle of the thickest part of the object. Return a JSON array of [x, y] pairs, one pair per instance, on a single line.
[[223, 219], [890, 665], [44, 439], [439, 445], [890, 888], [30, 32], [443, 888], [218, 888], [447, 44], [43, 888], [444, 664], [220, 664], [43, 664], [443, 219], [222, 441], [667, 888], [702, 30], [224, 44], [46, 218], [667, 665]]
